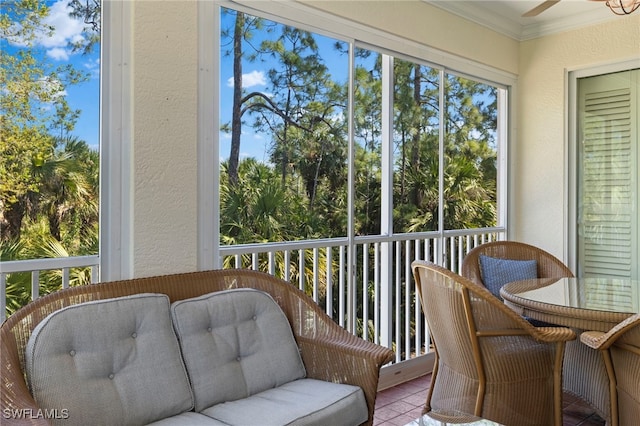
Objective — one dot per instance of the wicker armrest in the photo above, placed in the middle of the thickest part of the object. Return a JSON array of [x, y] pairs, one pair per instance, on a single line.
[[554, 334], [18, 406], [342, 360], [520, 325], [593, 339], [346, 359], [602, 341]]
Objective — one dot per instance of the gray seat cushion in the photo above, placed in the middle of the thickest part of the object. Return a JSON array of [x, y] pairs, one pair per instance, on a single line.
[[301, 402], [188, 419], [235, 344], [113, 361]]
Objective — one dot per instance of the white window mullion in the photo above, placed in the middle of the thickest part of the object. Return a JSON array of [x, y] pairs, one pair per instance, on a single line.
[[351, 248], [208, 137], [386, 221], [442, 106], [116, 151]]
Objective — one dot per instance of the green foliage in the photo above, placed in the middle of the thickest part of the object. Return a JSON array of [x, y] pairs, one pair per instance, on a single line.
[[90, 12], [48, 180], [21, 20], [21, 150], [305, 117], [302, 190], [37, 243]]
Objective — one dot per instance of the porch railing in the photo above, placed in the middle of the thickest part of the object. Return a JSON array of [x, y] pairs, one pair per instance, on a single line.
[[61, 266], [379, 303]]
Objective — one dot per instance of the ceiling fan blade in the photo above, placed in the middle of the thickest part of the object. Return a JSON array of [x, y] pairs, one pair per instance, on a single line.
[[540, 8]]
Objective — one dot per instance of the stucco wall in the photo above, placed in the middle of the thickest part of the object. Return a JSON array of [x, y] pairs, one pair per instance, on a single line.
[[164, 104], [539, 167], [419, 21]]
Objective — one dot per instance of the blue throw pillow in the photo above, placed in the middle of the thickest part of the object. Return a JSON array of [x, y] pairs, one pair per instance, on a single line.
[[498, 272]]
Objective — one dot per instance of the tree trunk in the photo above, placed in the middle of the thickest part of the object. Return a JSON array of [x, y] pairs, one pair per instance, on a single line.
[[415, 143], [236, 118], [11, 221]]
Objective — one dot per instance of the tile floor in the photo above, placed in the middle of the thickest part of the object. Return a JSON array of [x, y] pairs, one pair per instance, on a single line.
[[402, 404]]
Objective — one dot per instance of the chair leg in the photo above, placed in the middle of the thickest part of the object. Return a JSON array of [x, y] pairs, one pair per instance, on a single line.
[[434, 373], [557, 384], [613, 384]]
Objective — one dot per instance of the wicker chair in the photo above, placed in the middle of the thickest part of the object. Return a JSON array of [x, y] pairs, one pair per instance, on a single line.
[[620, 348], [328, 351], [490, 362], [548, 265], [581, 364]]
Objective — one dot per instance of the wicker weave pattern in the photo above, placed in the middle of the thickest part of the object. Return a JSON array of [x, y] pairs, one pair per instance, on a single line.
[[328, 351], [620, 348], [490, 362], [548, 265], [584, 372]]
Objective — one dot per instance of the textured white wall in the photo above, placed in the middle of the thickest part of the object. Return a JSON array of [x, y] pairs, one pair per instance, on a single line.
[[419, 21], [164, 105], [539, 168]]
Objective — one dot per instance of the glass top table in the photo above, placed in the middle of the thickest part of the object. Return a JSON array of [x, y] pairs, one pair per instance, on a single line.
[[446, 418], [584, 303]]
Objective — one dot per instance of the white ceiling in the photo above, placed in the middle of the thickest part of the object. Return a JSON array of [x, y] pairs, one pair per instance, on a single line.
[[505, 16]]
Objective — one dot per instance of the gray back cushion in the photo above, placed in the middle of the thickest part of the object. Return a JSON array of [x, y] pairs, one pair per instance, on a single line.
[[235, 343], [497, 272], [112, 361]]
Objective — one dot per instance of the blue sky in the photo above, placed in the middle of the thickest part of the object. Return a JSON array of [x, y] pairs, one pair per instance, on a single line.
[[255, 79], [54, 49], [85, 96]]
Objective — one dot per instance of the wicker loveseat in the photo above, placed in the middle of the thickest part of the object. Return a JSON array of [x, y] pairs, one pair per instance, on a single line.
[[328, 355]]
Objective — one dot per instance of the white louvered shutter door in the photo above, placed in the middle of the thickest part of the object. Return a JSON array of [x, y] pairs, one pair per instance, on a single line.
[[608, 175]]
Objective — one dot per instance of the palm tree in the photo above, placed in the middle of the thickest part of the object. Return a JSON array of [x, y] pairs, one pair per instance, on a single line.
[[68, 195], [38, 244], [61, 219], [258, 210]]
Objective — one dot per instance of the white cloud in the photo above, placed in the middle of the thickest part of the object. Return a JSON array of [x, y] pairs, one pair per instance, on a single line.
[[52, 86], [94, 67], [65, 30], [254, 78], [58, 54]]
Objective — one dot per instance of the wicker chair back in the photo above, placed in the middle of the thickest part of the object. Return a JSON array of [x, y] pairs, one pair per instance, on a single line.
[[548, 265]]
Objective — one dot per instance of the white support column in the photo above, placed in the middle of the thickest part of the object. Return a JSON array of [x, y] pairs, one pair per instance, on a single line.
[[116, 151], [386, 222], [439, 249], [208, 146], [351, 324]]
